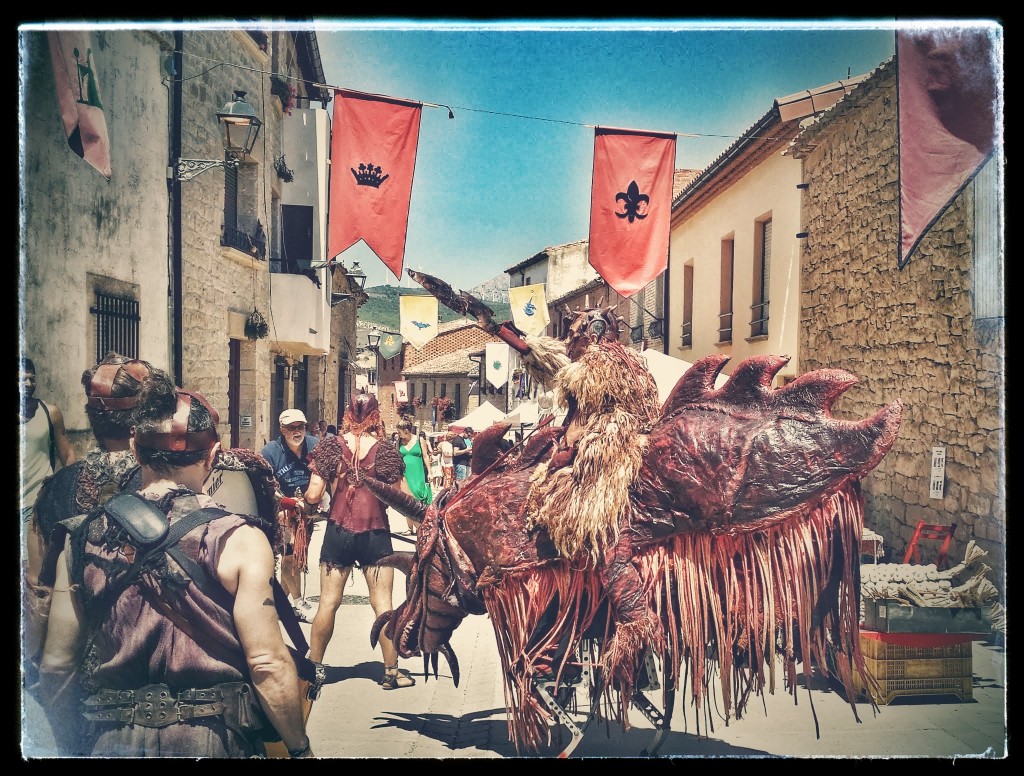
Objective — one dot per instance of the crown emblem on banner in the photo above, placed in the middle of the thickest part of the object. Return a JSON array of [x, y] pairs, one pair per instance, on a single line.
[[368, 175]]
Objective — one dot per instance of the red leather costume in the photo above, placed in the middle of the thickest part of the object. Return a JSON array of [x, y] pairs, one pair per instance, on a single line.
[[353, 506]]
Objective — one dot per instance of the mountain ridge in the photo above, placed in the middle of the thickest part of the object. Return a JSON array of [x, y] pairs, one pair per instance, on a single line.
[[382, 307]]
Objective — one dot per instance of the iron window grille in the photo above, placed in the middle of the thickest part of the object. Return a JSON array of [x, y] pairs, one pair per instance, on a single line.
[[117, 325]]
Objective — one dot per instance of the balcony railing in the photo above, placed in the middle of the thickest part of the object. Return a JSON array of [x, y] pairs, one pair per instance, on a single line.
[[244, 242]]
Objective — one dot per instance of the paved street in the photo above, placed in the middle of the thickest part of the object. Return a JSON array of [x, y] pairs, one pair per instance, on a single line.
[[356, 718], [434, 719]]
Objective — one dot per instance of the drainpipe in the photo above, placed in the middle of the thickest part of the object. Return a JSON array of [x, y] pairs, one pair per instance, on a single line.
[[664, 299], [174, 194]]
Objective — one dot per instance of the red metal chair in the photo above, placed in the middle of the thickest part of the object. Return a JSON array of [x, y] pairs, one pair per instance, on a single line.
[[932, 533]]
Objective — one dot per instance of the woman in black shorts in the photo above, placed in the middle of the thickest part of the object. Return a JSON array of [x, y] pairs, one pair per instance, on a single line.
[[357, 533]]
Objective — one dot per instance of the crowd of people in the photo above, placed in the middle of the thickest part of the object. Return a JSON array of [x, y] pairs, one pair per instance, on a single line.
[[127, 553]]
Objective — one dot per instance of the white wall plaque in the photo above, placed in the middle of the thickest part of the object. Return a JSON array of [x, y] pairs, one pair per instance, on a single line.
[[938, 477]]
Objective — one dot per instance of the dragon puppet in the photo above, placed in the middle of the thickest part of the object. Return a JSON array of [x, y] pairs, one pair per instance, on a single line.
[[715, 532]]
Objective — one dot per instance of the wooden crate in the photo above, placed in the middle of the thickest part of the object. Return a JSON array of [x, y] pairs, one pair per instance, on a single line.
[[901, 671]]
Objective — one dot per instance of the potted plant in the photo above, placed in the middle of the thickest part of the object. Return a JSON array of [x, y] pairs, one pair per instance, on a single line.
[[256, 326], [282, 169]]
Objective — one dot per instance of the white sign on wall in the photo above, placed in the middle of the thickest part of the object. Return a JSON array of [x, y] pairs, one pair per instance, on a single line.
[[938, 478], [245, 421]]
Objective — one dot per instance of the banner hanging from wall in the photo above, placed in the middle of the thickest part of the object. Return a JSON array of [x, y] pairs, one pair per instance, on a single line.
[[949, 110], [78, 96], [373, 157], [529, 308], [496, 359], [401, 391], [390, 345], [419, 319], [631, 206]]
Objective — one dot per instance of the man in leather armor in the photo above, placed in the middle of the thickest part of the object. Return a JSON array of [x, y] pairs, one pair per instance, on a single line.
[[153, 654]]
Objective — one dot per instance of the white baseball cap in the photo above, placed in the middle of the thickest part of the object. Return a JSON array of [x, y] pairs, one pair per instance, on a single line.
[[292, 416]]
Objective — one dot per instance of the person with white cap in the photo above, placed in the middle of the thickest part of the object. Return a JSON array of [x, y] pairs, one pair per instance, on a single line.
[[288, 455]]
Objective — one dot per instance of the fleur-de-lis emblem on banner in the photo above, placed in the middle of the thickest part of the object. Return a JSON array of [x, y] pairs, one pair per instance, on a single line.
[[633, 200]]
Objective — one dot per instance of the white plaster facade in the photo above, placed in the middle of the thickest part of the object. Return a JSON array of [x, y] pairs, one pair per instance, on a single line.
[[561, 269], [765, 191]]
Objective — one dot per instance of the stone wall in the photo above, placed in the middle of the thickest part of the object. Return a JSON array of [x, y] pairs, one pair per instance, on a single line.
[[906, 335], [218, 281], [81, 233]]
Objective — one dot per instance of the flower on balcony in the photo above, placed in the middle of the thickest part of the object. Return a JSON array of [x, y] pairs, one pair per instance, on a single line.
[[404, 408], [283, 171], [445, 407], [285, 90], [417, 402]]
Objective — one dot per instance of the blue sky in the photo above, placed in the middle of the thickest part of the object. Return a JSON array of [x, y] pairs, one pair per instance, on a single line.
[[491, 190]]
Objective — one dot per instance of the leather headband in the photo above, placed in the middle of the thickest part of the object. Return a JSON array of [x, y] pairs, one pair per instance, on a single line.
[[179, 438], [102, 384]]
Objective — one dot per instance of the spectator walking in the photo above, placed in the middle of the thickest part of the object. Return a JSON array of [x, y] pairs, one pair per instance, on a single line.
[[196, 670], [447, 461], [289, 457], [460, 455], [414, 482], [43, 440], [433, 459], [358, 533]]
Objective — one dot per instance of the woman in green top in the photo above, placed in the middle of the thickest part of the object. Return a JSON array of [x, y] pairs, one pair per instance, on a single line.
[[415, 480]]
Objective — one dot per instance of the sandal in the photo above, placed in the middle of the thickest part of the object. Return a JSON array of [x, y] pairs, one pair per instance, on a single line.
[[394, 681]]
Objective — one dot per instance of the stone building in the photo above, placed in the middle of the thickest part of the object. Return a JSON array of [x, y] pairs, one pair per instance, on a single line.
[[932, 334], [216, 273], [94, 251], [448, 366]]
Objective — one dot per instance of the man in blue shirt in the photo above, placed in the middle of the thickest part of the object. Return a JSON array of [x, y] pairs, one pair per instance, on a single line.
[[288, 454], [463, 446]]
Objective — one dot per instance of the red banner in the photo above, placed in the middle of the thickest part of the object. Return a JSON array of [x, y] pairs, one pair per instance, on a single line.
[[948, 94], [631, 206], [373, 156], [78, 97]]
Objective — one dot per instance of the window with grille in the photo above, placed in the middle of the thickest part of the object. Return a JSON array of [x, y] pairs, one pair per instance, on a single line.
[[687, 333], [458, 400], [117, 325], [725, 292], [762, 273], [277, 390], [300, 376]]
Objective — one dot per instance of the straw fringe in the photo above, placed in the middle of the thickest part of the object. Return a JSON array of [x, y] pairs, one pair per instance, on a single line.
[[728, 603], [582, 506]]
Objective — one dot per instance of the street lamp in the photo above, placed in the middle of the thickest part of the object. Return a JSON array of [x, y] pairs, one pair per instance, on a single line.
[[241, 126], [373, 340], [355, 274]]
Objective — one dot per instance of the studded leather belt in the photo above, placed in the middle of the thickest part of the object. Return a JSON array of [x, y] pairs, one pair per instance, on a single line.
[[157, 705]]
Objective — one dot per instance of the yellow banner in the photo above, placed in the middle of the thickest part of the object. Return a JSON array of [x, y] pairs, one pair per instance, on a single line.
[[419, 319], [529, 308]]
